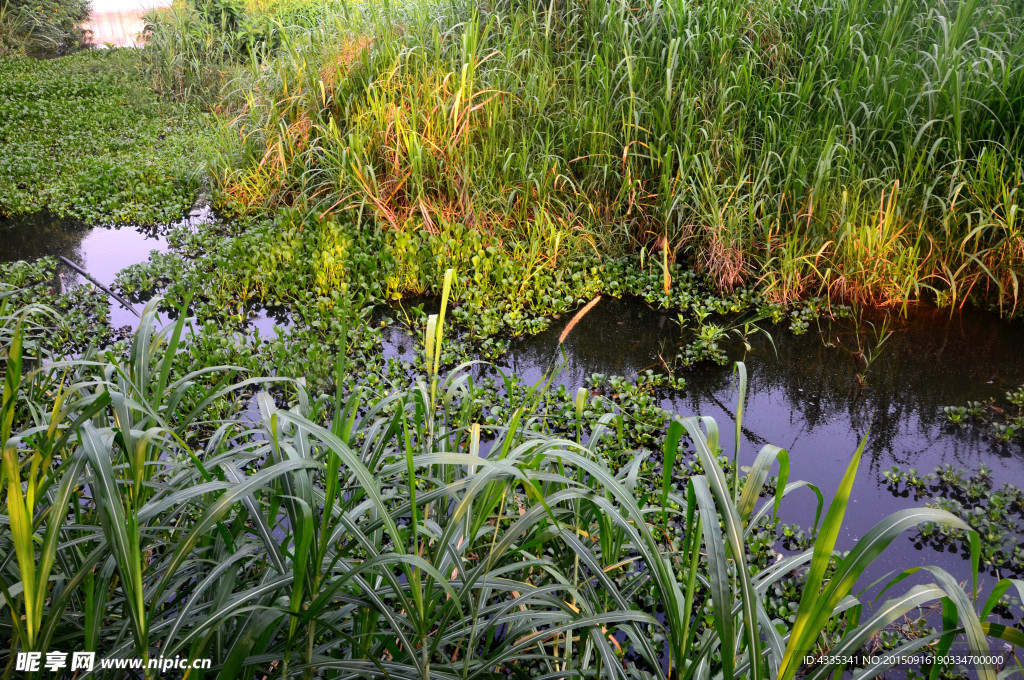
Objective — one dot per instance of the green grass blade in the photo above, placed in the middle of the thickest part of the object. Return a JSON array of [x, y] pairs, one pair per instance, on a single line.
[[811, 609]]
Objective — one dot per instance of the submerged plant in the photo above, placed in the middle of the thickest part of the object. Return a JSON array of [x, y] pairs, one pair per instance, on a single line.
[[867, 354]]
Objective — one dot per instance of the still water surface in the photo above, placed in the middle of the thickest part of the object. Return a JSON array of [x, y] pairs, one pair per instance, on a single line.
[[101, 251], [803, 392]]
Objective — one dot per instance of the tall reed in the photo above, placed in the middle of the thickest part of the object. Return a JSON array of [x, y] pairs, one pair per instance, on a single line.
[[756, 140]]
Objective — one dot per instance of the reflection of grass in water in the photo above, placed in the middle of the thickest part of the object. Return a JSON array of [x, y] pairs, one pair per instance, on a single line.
[[85, 137], [32, 236]]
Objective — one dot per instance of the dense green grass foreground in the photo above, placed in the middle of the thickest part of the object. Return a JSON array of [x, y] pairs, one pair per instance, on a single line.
[[83, 136], [868, 148], [400, 539]]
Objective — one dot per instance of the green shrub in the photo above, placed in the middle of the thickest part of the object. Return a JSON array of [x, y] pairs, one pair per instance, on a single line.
[[43, 26]]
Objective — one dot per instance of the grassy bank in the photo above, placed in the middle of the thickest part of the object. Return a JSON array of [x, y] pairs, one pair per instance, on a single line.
[[867, 150], [84, 136], [344, 536]]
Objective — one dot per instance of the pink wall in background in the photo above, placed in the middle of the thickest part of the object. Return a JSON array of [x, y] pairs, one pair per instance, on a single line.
[[119, 22]]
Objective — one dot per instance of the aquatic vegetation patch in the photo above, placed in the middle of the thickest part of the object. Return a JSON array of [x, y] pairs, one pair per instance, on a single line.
[[1001, 421], [332, 275], [83, 136], [80, 315], [995, 512]]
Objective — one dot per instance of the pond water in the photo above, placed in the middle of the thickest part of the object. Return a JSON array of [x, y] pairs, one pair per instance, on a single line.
[[804, 395], [101, 251]]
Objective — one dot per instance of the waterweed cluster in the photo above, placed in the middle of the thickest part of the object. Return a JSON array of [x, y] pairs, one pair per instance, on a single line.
[[81, 313], [84, 137], [325, 275], [1003, 422], [994, 512]]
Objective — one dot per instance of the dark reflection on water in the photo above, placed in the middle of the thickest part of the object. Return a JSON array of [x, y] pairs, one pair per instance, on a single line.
[[35, 236], [101, 251], [804, 395]]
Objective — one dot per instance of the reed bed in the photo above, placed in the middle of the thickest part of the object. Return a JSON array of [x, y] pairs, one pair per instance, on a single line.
[[870, 149]]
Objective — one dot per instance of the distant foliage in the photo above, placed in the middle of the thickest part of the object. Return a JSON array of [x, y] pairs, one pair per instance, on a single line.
[[197, 46], [49, 26]]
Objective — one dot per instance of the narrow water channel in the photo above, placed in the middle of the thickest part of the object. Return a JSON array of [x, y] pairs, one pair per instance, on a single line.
[[101, 251]]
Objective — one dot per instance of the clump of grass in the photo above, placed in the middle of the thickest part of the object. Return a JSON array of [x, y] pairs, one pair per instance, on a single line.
[[756, 142], [195, 48]]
